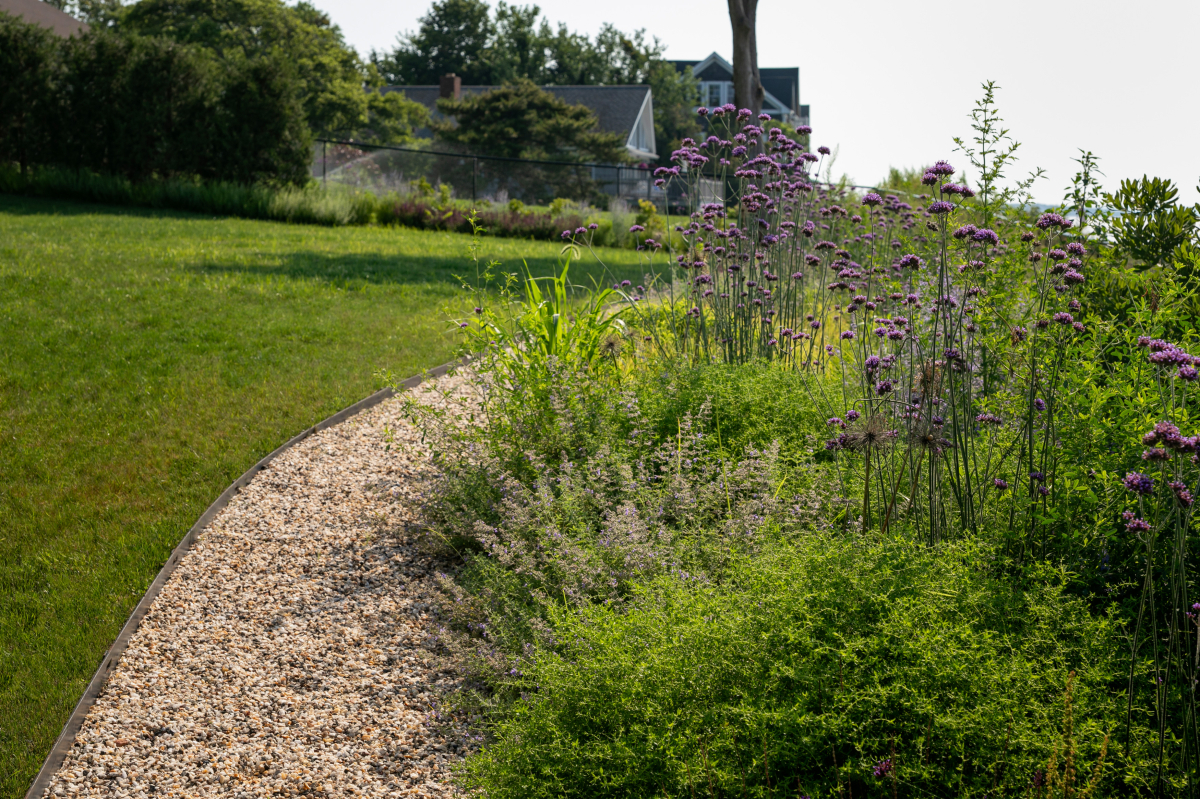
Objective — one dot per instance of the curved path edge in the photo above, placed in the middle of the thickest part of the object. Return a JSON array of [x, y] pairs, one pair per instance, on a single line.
[[66, 739]]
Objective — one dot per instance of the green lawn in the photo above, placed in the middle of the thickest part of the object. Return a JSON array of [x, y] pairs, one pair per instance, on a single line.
[[147, 359]]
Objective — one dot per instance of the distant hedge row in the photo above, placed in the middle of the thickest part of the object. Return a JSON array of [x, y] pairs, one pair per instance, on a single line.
[[139, 107]]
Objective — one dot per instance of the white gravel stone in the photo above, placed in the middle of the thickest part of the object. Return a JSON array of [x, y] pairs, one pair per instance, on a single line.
[[289, 652]]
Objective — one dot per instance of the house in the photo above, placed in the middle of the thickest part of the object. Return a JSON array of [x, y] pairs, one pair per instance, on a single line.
[[45, 15], [627, 111], [781, 88]]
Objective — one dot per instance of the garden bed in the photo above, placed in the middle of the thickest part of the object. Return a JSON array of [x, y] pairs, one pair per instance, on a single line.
[[290, 652]]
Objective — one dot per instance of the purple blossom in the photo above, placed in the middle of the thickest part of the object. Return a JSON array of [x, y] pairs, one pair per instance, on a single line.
[[1046, 221], [872, 199], [1187, 373], [941, 207], [1139, 483], [1075, 248], [1182, 495], [1137, 526], [804, 130], [965, 232], [986, 235], [636, 229], [823, 150], [1000, 484], [942, 168], [853, 415], [1039, 403], [883, 387]]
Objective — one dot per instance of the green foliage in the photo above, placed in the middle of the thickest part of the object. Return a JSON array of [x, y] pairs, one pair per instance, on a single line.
[[327, 73], [143, 107], [520, 120], [808, 665], [392, 118], [1150, 224], [992, 151], [28, 76]]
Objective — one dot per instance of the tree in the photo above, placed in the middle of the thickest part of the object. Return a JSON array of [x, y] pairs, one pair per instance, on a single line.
[[520, 120], [1151, 225], [454, 36], [29, 67], [329, 74], [747, 84]]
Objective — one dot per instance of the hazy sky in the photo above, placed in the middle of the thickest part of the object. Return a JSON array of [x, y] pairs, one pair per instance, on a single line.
[[891, 83]]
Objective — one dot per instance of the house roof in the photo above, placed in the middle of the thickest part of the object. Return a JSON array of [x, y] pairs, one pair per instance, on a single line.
[[781, 84], [45, 15], [617, 108]]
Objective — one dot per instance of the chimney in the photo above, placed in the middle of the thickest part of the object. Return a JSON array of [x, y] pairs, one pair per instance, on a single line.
[[450, 87]]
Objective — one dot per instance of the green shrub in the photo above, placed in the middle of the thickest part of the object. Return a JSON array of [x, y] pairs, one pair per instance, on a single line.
[[813, 663]]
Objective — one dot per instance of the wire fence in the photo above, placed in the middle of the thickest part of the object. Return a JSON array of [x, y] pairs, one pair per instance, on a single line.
[[382, 168]]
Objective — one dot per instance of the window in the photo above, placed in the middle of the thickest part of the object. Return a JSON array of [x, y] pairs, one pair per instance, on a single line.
[[714, 94]]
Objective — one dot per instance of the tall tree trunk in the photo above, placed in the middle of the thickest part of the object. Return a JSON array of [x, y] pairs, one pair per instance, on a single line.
[[747, 88]]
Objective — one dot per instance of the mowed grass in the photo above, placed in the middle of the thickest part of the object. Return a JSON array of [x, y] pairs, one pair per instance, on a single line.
[[146, 360]]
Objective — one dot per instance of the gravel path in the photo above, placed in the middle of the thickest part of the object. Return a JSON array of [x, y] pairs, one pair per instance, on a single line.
[[287, 653]]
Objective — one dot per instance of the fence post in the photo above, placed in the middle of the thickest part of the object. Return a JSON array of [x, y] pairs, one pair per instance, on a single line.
[[474, 169]]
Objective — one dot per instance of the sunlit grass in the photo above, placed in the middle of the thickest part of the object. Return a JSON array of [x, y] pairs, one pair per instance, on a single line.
[[148, 359]]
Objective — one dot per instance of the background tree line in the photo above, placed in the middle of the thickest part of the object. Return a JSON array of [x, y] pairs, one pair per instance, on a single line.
[[238, 89], [224, 90]]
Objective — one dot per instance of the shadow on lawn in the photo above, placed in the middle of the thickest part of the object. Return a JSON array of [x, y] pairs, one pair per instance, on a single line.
[[383, 269]]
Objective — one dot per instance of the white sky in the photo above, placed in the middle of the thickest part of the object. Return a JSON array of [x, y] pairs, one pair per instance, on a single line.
[[890, 83]]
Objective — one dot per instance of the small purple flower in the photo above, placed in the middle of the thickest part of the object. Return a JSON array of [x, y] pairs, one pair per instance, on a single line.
[[1075, 248], [883, 768], [804, 130], [1046, 221], [942, 168], [910, 262], [988, 418], [1187, 373], [853, 415], [1137, 526], [1182, 495], [636, 229], [847, 335], [929, 179], [835, 422], [986, 235], [883, 387], [592, 226], [1139, 483], [1039, 403], [702, 111], [1000, 484], [872, 199], [941, 207], [1063, 318], [965, 232], [951, 188], [823, 150]]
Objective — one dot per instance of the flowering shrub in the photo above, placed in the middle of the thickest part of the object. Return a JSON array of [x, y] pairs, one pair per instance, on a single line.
[[968, 396]]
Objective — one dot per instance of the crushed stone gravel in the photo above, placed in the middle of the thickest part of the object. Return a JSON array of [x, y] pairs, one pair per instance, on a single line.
[[289, 653]]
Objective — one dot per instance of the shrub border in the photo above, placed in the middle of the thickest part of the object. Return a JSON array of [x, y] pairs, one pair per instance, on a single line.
[[66, 739]]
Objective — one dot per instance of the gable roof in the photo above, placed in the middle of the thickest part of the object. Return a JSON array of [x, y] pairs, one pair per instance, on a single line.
[[781, 85], [618, 109], [44, 15]]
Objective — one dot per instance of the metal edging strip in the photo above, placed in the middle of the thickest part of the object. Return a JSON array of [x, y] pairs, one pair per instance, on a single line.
[[66, 739]]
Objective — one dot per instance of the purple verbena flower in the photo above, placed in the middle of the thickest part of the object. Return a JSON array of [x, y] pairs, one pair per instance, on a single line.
[[1139, 483]]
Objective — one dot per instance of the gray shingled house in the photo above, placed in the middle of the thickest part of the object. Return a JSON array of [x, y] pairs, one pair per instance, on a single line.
[[627, 111], [781, 87]]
